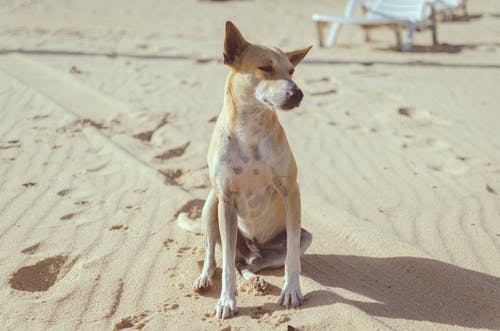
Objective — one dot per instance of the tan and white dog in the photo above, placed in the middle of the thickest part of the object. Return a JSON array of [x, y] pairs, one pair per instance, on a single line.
[[253, 209]]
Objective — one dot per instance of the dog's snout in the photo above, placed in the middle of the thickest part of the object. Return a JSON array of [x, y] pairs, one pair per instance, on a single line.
[[294, 97]]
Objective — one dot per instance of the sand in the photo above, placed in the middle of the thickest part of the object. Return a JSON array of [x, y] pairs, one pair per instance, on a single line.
[[107, 109]]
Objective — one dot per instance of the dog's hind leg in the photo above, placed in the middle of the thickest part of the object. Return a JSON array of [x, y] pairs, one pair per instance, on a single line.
[[273, 256], [212, 236], [274, 252]]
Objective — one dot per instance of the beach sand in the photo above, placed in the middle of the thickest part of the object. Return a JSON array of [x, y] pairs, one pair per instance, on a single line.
[[107, 110]]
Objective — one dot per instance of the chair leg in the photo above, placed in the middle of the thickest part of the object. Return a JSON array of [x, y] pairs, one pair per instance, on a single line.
[[397, 30], [434, 26], [434, 35], [367, 35], [449, 15], [411, 35], [320, 33], [332, 34]]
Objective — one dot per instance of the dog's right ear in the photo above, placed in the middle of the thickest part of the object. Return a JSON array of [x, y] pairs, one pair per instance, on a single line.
[[234, 43]]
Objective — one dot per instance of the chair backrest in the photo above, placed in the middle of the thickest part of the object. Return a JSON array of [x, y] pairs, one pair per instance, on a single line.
[[410, 10], [446, 4]]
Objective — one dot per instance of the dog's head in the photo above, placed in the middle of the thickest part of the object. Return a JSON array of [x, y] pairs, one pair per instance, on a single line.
[[263, 72]]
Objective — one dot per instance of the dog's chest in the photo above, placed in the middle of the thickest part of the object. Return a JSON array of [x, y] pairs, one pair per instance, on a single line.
[[249, 175], [251, 178], [250, 170]]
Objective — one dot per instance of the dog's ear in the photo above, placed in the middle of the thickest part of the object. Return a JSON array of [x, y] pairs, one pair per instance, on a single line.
[[234, 43], [297, 56]]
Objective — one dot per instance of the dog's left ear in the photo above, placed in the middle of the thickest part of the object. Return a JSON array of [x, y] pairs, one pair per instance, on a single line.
[[297, 56], [234, 43]]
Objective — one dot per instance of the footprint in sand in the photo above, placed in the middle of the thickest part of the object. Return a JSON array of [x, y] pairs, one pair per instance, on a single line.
[[187, 250], [40, 117], [491, 190], [68, 216], [181, 251], [132, 208], [168, 306], [136, 321], [260, 313], [421, 116], [192, 208], [451, 166], [146, 136], [63, 192], [169, 242], [429, 144], [190, 179], [97, 168], [118, 227], [75, 70], [415, 114], [38, 277], [171, 176], [31, 250], [174, 152], [76, 127], [11, 144], [141, 190]]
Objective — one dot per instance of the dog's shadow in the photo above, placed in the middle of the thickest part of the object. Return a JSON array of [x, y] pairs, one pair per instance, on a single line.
[[407, 288]]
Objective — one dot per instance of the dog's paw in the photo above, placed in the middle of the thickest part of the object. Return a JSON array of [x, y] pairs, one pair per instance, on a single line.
[[291, 296], [201, 284], [226, 307], [259, 284]]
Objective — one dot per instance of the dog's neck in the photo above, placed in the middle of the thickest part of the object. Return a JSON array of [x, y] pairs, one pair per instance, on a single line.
[[249, 119]]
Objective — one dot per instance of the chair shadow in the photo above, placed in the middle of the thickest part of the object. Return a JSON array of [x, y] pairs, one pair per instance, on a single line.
[[442, 48], [439, 48], [408, 288], [463, 18]]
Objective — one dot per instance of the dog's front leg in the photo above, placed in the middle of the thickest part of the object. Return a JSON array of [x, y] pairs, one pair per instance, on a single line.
[[291, 295], [228, 227], [210, 218]]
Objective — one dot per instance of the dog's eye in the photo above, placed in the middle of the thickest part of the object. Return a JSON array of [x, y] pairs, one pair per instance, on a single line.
[[266, 68], [291, 71]]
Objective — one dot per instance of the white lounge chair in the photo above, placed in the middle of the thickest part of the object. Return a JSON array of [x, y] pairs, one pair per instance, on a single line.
[[413, 14]]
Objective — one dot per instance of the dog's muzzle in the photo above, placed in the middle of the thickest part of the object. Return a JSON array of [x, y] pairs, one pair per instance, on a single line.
[[293, 98]]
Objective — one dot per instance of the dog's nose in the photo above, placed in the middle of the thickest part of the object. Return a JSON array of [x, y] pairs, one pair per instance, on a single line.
[[294, 97]]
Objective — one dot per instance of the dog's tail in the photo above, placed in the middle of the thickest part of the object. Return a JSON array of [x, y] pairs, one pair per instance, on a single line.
[[190, 225]]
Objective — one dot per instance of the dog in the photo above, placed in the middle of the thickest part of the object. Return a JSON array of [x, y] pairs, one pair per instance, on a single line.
[[253, 208]]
